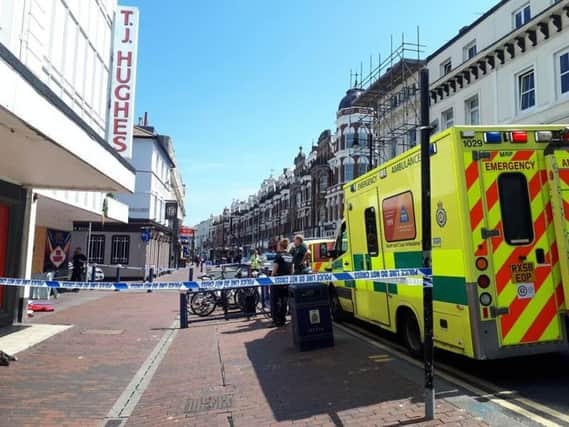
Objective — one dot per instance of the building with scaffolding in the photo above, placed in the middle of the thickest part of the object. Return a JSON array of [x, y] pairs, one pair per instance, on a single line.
[[391, 91]]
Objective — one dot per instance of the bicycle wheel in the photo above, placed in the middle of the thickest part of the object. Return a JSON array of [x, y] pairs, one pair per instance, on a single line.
[[203, 303], [242, 294]]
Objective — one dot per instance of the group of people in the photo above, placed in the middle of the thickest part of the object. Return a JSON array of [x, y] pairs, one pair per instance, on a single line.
[[293, 260]]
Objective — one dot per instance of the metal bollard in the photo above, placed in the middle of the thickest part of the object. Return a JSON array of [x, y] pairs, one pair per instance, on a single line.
[[183, 310], [191, 274], [150, 278], [118, 277], [93, 270], [201, 267]]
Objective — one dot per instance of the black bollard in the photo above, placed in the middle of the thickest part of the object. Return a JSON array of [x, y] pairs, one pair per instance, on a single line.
[[118, 277], [183, 310], [93, 270], [191, 274], [150, 278]]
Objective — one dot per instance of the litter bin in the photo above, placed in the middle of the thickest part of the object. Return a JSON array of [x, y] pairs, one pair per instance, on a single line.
[[311, 319]]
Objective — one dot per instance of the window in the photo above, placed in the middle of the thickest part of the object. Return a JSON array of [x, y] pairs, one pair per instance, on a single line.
[[516, 208], [526, 90], [120, 247], [522, 16], [472, 111], [342, 241], [324, 251], [446, 67], [469, 51], [371, 232], [349, 139], [348, 172], [564, 72], [97, 249], [447, 118], [412, 137], [399, 218]]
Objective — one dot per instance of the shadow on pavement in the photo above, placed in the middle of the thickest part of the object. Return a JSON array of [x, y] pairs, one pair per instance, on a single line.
[[327, 381]]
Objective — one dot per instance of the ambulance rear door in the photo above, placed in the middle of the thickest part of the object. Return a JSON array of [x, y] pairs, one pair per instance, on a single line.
[[516, 212]]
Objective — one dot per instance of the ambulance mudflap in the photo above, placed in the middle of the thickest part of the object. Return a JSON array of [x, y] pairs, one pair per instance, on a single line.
[[520, 240]]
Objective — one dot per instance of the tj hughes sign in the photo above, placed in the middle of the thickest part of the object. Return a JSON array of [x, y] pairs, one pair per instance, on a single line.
[[123, 80]]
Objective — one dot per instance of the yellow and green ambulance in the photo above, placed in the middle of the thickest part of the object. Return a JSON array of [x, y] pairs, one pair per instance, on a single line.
[[500, 216]]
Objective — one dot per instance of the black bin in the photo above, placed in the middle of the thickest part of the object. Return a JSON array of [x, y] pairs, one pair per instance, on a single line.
[[311, 318]]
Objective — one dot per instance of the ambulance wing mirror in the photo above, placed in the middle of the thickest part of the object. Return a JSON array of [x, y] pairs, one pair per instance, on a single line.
[[332, 253]]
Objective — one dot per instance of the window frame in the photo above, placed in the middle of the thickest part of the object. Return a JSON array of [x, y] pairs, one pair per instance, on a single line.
[[444, 119], [100, 259], [520, 94], [521, 11], [558, 74], [466, 50], [114, 257], [468, 109], [446, 63]]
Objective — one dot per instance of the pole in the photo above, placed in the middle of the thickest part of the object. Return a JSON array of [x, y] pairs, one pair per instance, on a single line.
[[427, 245]]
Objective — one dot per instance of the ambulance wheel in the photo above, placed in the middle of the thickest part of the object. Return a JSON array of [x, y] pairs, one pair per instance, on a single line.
[[411, 335], [338, 313]]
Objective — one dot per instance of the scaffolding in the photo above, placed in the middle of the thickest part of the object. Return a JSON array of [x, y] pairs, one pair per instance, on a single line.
[[391, 89]]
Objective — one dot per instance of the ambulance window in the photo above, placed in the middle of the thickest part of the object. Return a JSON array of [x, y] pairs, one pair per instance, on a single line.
[[342, 241], [371, 232], [323, 250], [516, 208]]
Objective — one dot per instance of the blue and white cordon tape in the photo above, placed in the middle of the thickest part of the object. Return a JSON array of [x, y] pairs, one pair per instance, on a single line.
[[407, 276]]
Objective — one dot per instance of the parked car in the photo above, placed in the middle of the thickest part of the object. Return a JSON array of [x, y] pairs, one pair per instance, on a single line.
[[268, 260]]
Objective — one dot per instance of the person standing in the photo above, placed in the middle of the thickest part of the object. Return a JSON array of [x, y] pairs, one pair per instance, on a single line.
[[300, 254], [255, 261], [79, 261], [282, 266]]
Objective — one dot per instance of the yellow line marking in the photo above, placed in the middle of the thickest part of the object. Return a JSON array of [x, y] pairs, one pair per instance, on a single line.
[[470, 387]]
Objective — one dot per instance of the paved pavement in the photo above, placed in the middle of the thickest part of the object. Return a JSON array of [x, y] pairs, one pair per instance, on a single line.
[[123, 363]]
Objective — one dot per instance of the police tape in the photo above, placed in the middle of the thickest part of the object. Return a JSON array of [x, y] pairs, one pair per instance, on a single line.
[[407, 276]]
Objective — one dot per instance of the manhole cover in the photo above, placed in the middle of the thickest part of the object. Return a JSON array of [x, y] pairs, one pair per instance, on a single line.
[[209, 403], [102, 331]]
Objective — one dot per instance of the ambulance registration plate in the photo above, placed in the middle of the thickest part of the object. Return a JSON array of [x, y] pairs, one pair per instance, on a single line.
[[523, 272]]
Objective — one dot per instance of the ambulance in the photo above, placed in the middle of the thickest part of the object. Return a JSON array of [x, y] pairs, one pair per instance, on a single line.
[[500, 236], [319, 253]]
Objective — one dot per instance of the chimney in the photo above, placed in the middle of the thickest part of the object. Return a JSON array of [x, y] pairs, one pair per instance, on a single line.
[[145, 118]]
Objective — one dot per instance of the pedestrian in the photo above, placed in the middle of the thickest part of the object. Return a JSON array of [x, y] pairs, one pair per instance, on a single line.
[[282, 266], [300, 255], [79, 261], [255, 262]]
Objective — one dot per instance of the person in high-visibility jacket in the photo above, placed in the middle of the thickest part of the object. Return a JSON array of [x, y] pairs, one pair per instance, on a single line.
[[255, 261]]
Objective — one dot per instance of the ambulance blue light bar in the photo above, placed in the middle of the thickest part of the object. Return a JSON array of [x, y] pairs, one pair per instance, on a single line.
[[492, 137]]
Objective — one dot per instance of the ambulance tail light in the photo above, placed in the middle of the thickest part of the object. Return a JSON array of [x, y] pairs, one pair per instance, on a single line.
[[483, 281], [485, 299], [544, 136], [519, 137], [481, 263], [492, 137]]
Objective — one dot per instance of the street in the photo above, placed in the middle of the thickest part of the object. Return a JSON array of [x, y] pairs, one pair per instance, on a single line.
[[121, 360]]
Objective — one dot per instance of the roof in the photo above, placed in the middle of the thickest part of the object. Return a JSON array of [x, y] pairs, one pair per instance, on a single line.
[[141, 132], [465, 30]]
